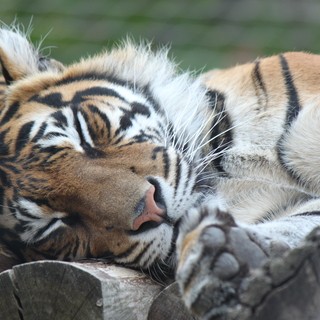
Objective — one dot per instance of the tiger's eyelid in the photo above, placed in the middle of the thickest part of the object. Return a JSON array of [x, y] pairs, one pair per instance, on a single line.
[[84, 129], [81, 128], [84, 136]]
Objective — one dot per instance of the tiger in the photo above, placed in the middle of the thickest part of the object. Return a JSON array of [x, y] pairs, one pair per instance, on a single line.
[[125, 158]]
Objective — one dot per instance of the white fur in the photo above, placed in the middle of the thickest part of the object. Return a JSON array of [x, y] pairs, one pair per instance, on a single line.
[[33, 225], [181, 96], [14, 43]]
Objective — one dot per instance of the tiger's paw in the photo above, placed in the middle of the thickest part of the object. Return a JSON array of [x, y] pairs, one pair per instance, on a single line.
[[217, 259]]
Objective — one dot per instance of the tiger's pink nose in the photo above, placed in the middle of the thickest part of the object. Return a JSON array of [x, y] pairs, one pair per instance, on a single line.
[[152, 210]]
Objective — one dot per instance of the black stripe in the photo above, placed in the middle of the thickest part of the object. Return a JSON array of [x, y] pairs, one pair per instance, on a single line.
[[119, 139], [55, 134], [53, 236], [11, 165], [92, 77], [293, 106], [129, 251], [257, 77], [166, 163], [103, 117], [6, 73], [144, 137], [14, 245], [90, 151], [155, 152], [76, 245], [40, 132], [52, 150], [178, 174], [23, 135], [158, 132], [77, 125], [307, 214], [113, 79], [4, 149], [221, 132], [64, 252], [24, 212], [53, 100], [129, 115], [259, 85], [83, 95], [12, 110], [1, 199], [61, 120], [147, 93], [61, 253], [138, 108], [125, 123], [137, 259], [165, 159], [42, 230], [190, 172]]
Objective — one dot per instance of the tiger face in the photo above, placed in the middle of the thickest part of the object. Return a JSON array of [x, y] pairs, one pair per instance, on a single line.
[[90, 163]]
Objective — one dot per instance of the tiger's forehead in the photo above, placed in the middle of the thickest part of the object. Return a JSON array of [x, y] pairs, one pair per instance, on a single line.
[[43, 95], [68, 86], [106, 109], [81, 93]]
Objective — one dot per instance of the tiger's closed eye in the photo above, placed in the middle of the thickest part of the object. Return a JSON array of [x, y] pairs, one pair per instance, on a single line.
[[84, 135], [71, 219]]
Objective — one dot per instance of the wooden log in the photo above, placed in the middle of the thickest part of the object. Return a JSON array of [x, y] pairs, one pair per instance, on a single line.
[[168, 305], [284, 289], [59, 290], [9, 304]]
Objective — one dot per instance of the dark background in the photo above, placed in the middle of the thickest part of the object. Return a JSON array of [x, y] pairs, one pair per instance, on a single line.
[[203, 34]]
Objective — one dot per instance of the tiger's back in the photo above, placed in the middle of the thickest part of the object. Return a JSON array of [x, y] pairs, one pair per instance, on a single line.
[[271, 109], [265, 197]]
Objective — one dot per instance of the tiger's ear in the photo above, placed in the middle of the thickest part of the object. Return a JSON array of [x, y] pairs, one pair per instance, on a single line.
[[19, 58]]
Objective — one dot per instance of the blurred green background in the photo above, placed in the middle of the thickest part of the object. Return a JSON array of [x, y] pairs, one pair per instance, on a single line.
[[202, 33]]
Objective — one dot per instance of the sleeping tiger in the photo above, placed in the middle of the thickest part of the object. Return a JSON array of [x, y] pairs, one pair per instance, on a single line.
[[123, 158]]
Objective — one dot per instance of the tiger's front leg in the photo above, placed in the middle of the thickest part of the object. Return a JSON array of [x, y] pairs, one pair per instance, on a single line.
[[216, 260]]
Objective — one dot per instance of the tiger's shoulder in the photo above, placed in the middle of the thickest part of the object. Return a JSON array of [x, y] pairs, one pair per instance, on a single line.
[[266, 120]]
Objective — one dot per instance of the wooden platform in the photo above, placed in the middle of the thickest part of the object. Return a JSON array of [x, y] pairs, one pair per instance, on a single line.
[[50, 290], [285, 289]]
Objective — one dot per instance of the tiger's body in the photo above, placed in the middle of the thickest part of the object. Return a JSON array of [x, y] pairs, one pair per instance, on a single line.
[[119, 157]]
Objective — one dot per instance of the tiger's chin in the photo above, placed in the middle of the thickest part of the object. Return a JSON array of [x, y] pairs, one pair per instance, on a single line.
[[163, 270]]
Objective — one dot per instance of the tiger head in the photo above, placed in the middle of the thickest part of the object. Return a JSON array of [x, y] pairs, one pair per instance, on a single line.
[[93, 160]]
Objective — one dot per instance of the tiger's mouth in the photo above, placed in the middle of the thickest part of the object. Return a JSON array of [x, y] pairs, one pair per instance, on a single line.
[[150, 225], [163, 270]]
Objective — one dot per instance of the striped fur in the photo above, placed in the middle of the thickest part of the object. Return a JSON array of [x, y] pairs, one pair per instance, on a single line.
[[81, 145], [265, 182]]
